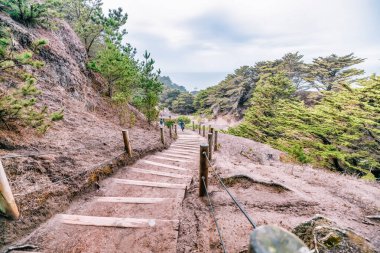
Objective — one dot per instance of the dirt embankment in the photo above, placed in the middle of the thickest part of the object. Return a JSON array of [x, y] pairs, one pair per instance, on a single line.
[[272, 192], [47, 172]]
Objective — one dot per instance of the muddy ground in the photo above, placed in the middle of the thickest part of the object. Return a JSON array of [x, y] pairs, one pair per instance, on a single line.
[[272, 192]]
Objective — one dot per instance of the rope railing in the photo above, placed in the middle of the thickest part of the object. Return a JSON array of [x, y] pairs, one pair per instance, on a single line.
[[212, 211], [234, 199], [263, 239]]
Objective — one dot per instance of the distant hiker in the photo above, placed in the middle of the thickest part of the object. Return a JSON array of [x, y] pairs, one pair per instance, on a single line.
[[181, 125], [161, 122]]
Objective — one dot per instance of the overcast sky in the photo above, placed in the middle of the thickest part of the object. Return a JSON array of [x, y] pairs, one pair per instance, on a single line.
[[198, 42]]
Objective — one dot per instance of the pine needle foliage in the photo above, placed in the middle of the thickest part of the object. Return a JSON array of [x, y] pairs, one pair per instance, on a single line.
[[341, 132]]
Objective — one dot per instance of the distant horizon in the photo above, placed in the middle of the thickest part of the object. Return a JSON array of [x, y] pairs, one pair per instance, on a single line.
[[196, 80]]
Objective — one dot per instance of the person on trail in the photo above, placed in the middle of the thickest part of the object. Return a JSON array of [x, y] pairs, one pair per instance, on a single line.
[[182, 125], [161, 122]]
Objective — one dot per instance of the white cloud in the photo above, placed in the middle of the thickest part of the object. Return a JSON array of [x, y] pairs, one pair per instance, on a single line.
[[221, 35]]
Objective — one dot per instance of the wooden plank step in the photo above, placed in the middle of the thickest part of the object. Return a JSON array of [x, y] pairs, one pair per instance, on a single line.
[[171, 159], [185, 146], [149, 183], [182, 152], [164, 165], [158, 173], [178, 156], [131, 200], [110, 221]]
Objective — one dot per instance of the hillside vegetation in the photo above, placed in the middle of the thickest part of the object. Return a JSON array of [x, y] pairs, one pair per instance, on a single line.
[[319, 113]]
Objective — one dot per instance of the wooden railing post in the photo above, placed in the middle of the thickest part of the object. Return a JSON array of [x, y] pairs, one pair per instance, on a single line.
[[193, 126], [204, 130], [210, 146], [216, 140], [127, 143], [209, 128], [203, 170], [175, 129], [170, 131], [162, 135], [200, 126], [8, 206]]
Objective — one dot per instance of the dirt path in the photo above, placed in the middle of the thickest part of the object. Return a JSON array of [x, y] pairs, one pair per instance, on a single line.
[[136, 210]]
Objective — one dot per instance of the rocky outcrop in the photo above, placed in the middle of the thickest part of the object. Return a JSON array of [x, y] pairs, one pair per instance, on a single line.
[[324, 236], [65, 56]]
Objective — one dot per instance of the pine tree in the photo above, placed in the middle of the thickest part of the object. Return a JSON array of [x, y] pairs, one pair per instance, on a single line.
[[333, 72]]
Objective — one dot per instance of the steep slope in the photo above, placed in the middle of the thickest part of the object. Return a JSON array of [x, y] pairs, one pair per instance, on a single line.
[[47, 171]]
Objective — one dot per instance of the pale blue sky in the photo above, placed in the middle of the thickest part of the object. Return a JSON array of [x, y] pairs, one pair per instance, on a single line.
[[198, 42]]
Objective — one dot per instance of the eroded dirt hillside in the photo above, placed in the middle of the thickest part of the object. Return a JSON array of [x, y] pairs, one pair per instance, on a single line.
[[47, 171]]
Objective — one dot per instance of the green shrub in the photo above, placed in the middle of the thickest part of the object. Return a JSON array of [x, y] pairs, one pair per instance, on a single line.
[[26, 12], [169, 122], [185, 119], [55, 116], [298, 152]]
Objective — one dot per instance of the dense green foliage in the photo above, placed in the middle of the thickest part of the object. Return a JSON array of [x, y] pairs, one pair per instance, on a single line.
[[232, 95], [90, 24], [150, 88], [18, 104], [170, 95], [31, 12], [184, 119], [183, 104], [341, 132]]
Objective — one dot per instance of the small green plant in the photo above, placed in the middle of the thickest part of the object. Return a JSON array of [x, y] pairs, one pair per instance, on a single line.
[[18, 104], [298, 152], [26, 12], [56, 116], [169, 122]]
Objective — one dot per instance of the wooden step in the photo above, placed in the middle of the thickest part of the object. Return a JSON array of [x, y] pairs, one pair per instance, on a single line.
[[111, 221], [158, 173], [131, 200], [163, 165], [185, 147], [170, 159], [178, 156], [182, 152], [149, 183]]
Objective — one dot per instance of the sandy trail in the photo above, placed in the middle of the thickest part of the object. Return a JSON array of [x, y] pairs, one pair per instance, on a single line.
[[56, 236]]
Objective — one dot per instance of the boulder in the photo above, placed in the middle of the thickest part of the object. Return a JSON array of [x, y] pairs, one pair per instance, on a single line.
[[324, 235]]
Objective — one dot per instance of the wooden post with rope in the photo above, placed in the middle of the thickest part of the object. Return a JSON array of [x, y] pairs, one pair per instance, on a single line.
[[200, 126], [210, 146], [216, 140], [162, 135], [170, 131], [127, 143], [204, 130], [175, 130], [203, 170], [193, 126]]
